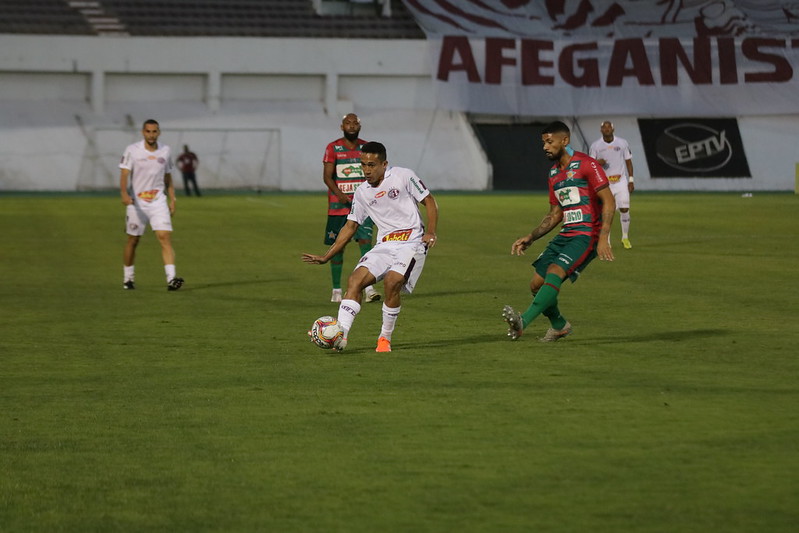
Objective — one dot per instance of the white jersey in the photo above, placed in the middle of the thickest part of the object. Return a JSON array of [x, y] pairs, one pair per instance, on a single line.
[[615, 154], [392, 206], [147, 170]]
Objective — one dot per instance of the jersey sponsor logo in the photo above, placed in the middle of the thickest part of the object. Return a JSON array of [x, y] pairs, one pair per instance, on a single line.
[[417, 183], [572, 216], [393, 193], [568, 196], [573, 165], [614, 178], [348, 187], [151, 158], [565, 259], [380, 194], [349, 171], [148, 196], [398, 236]]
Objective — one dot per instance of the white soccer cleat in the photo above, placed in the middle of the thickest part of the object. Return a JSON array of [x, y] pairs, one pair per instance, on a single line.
[[553, 335], [514, 320], [335, 297], [371, 294], [340, 344]]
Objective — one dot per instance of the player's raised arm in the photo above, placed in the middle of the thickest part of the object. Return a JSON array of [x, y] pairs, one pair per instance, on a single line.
[[343, 238]]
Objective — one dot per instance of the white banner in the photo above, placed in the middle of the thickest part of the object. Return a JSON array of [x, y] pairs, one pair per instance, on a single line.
[[599, 57]]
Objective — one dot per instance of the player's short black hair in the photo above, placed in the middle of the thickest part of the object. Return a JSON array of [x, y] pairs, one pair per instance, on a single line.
[[556, 127], [373, 147], [150, 121]]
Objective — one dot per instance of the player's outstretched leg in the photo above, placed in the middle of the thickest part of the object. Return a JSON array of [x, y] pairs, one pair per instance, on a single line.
[[514, 320], [347, 311]]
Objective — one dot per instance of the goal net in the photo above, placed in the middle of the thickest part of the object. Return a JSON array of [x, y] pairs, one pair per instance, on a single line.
[[247, 159]]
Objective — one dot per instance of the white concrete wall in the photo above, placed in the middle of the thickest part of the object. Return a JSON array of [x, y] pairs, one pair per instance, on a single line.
[[259, 112]]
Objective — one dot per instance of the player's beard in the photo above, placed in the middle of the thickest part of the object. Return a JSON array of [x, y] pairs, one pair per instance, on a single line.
[[352, 137]]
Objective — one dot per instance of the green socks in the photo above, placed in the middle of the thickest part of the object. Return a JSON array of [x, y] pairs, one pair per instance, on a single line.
[[555, 318], [547, 297], [336, 266]]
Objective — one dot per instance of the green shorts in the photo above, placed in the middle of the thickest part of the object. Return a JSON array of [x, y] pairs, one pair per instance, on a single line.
[[336, 222], [572, 254]]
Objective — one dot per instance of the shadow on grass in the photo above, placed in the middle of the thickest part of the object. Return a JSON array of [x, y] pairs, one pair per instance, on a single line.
[[671, 336], [475, 340], [240, 283]]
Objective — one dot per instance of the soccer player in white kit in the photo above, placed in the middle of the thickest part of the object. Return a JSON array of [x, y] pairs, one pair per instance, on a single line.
[[389, 197], [613, 153], [147, 191]]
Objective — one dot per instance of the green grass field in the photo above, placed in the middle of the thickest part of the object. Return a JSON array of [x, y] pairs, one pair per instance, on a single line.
[[674, 406]]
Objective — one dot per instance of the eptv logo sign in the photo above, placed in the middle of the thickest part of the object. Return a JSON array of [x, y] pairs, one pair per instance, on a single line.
[[694, 147]]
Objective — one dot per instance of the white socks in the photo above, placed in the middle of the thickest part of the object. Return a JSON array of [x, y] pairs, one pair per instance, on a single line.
[[349, 309], [624, 218], [170, 272], [390, 315], [129, 273], [346, 314]]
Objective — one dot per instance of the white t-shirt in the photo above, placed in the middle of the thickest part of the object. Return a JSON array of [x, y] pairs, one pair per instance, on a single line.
[[615, 153], [147, 170], [392, 206]]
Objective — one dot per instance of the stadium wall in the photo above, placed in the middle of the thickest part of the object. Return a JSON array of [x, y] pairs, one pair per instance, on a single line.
[[259, 113]]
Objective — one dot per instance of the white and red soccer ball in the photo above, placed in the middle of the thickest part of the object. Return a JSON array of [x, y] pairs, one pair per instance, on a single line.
[[325, 332]]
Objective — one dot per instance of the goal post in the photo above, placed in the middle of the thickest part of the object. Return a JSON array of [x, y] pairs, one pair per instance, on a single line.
[[229, 158]]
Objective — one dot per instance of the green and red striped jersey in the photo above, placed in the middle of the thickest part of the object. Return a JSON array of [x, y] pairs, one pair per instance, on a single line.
[[575, 189], [348, 173]]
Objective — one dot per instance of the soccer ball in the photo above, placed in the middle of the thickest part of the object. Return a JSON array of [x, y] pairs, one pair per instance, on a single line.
[[325, 331]]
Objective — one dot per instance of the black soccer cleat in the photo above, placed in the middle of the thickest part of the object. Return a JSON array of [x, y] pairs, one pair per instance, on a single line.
[[128, 285], [174, 284]]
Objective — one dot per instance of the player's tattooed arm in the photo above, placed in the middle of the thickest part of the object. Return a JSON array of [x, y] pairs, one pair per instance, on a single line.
[[550, 221]]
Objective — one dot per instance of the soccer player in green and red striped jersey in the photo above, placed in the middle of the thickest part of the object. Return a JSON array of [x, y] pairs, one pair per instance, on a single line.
[[580, 198], [342, 174]]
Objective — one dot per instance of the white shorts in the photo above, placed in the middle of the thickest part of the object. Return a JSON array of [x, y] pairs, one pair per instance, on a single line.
[[405, 259], [139, 214], [621, 193]]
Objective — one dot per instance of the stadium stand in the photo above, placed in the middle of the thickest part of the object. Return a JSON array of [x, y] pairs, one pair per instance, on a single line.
[[42, 17], [194, 18]]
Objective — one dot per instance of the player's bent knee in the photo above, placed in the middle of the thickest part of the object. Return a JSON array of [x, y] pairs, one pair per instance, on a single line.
[[393, 282]]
